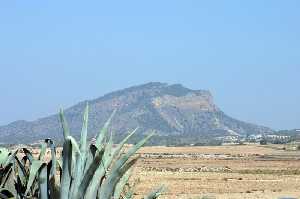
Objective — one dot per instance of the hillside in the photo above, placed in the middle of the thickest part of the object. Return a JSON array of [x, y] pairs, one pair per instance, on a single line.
[[171, 110]]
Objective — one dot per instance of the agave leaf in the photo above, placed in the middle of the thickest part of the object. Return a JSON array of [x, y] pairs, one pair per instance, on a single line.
[[88, 176], [74, 143], [108, 156], [83, 136], [100, 172], [90, 156], [6, 194], [34, 168], [53, 157], [21, 171], [64, 123], [6, 174], [121, 161], [43, 184], [108, 187], [66, 171], [103, 131], [156, 193], [28, 155], [121, 184], [81, 158], [43, 150], [11, 157], [54, 192], [53, 187], [121, 144], [4, 155], [129, 195]]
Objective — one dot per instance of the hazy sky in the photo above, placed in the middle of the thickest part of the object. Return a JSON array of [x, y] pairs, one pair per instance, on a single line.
[[57, 53]]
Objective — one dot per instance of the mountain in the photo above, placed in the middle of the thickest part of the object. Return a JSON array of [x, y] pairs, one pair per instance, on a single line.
[[170, 110]]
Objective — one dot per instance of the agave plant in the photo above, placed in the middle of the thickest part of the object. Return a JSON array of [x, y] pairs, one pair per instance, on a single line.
[[94, 170]]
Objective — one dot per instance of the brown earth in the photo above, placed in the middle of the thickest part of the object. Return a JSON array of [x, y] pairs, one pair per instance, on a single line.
[[222, 172], [232, 172]]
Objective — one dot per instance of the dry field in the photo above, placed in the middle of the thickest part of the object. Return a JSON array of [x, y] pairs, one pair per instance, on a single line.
[[247, 171], [225, 172]]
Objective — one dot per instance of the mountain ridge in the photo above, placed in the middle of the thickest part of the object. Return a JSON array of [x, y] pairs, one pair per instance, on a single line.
[[170, 110]]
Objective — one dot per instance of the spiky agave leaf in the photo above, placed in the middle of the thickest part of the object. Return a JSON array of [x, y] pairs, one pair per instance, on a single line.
[[81, 158], [109, 184], [88, 176], [103, 131], [100, 172], [156, 193], [108, 157], [43, 150], [28, 155], [6, 194], [4, 155], [66, 170], [51, 171], [21, 172], [43, 184], [63, 121], [33, 174], [121, 184]]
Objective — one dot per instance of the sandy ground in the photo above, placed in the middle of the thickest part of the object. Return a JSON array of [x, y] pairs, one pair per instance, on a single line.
[[220, 172]]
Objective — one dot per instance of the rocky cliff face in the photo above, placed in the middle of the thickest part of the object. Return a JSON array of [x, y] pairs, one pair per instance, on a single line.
[[168, 109]]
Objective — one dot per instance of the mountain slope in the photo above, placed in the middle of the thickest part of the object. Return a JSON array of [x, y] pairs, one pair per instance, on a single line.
[[168, 109]]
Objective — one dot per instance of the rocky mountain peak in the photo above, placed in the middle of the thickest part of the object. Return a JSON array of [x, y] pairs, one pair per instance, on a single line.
[[167, 109]]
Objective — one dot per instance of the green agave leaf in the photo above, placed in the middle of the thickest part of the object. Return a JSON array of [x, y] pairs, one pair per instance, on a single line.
[[28, 154], [34, 169], [103, 131], [60, 163], [11, 158], [156, 193], [83, 137], [75, 146], [21, 171], [121, 184], [42, 180], [129, 195], [50, 143], [54, 192], [121, 144], [81, 158], [6, 194], [108, 187], [6, 174], [66, 170], [88, 176], [90, 156], [64, 124], [109, 155], [43, 150], [4, 155], [100, 172]]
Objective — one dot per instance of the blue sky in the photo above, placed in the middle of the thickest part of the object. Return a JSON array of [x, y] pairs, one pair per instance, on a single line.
[[56, 53]]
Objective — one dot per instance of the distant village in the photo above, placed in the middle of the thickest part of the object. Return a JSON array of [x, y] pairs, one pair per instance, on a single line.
[[263, 139]]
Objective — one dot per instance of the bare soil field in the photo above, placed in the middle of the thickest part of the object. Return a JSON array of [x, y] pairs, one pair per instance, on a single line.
[[246, 171], [222, 172]]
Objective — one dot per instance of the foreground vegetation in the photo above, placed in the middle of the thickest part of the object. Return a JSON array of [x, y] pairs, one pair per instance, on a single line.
[[94, 170]]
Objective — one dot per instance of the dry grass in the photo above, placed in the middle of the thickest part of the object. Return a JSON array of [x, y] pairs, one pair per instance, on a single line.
[[225, 172], [249, 171]]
